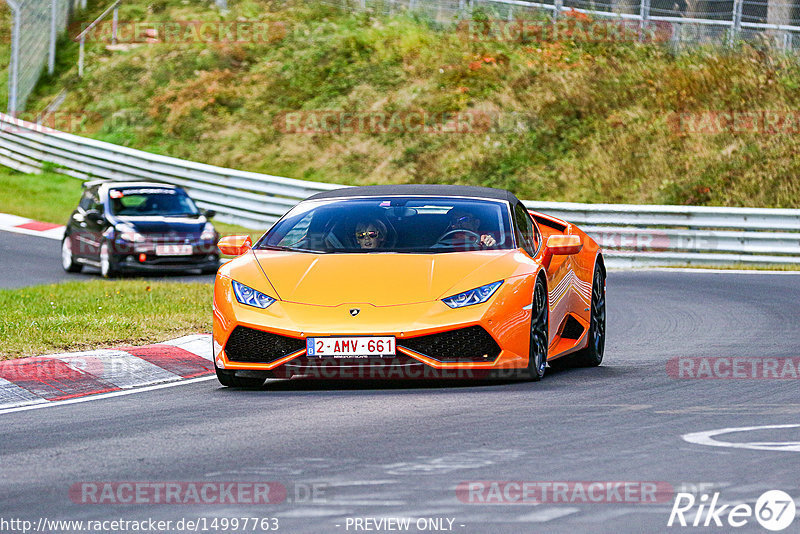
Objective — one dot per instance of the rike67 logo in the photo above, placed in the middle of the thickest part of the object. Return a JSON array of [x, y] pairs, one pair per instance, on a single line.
[[774, 510]]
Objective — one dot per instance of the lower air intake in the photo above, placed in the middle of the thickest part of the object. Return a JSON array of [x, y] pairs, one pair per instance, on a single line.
[[248, 345], [471, 344]]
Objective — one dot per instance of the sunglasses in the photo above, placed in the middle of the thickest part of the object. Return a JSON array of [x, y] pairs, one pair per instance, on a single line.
[[372, 234]]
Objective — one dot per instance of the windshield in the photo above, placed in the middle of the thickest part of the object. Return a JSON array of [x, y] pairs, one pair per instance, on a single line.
[[393, 224], [143, 202]]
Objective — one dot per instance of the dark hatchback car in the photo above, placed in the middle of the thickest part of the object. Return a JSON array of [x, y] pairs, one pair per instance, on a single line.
[[138, 226]]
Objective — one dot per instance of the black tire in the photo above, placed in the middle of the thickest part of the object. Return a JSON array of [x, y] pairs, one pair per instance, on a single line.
[[108, 266], [539, 343], [68, 258], [592, 354]]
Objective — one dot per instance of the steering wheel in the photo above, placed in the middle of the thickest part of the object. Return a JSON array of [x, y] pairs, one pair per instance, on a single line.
[[448, 238]]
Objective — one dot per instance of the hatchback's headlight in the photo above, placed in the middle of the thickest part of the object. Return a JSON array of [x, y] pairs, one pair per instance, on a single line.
[[473, 296], [250, 297], [129, 234], [208, 233]]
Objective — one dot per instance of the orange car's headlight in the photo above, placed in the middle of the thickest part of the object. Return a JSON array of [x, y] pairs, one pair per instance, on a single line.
[[473, 296], [250, 297]]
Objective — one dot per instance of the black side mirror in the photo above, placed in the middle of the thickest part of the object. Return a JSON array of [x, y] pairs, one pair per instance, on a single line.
[[209, 214], [94, 216]]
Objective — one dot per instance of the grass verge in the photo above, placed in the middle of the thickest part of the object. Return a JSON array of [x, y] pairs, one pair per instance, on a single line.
[[74, 316]]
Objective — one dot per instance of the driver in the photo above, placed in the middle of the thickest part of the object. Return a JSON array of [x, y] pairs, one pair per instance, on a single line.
[[461, 219], [370, 234]]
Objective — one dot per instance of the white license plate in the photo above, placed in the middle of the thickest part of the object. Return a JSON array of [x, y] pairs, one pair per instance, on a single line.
[[350, 347], [173, 250]]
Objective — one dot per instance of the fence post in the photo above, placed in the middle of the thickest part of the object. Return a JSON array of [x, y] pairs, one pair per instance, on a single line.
[[13, 67], [114, 24], [51, 55], [80, 55], [556, 13], [736, 22], [676, 36], [644, 13]]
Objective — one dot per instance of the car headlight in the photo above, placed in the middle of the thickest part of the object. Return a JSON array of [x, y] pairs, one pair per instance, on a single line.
[[473, 296], [127, 233], [209, 234], [250, 297]]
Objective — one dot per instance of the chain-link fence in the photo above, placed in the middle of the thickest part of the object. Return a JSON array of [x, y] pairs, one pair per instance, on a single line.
[[767, 22], [36, 25]]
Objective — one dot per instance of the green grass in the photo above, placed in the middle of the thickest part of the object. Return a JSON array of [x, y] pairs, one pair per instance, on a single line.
[[96, 314], [595, 125], [47, 197]]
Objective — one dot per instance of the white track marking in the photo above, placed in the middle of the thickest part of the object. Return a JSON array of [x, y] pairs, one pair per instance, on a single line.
[[47, 234], [707, 438], [547, 514], [102, 396]]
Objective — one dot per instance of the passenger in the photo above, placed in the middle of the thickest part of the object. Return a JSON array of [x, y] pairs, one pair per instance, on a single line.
[[462, 219], [371, 234]]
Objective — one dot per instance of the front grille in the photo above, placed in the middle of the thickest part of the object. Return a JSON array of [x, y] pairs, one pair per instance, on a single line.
[[471, 344], [254, 346]]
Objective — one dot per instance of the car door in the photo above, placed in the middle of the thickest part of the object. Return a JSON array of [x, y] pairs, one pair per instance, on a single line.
[[530, 240], [88, 233]]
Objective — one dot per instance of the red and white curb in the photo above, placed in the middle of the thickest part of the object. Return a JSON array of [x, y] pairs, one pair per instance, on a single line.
[[59, 377], [21, 225]]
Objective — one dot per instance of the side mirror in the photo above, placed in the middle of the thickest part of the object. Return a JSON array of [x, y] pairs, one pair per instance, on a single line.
[[93, 216], [235, 245], [209, 214], [561, 245]]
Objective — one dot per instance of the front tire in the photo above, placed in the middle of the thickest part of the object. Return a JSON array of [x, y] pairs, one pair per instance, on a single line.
[[108, 268], [592, 354], [539, 344], [67, 258]]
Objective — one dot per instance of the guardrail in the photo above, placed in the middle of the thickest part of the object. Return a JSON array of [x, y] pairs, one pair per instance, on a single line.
[[632, 235], [645, 235]]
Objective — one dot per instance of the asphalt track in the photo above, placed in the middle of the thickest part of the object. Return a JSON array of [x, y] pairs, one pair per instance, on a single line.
[[394, 449], [27, 260]]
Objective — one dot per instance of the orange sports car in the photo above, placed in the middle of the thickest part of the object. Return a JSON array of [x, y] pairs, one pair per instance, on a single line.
[[409, 281]]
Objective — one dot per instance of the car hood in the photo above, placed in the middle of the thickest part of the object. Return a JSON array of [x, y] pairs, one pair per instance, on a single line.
[[164, 225], [380, 279]]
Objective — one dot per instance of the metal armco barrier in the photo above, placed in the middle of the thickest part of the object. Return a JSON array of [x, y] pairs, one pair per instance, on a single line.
[[632, 235]]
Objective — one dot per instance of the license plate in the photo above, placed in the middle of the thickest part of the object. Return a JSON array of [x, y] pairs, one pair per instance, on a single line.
[[173, 250], [350, 347]]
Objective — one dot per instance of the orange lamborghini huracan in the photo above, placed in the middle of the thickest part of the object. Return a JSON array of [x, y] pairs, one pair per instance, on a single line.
[[410, 281]]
